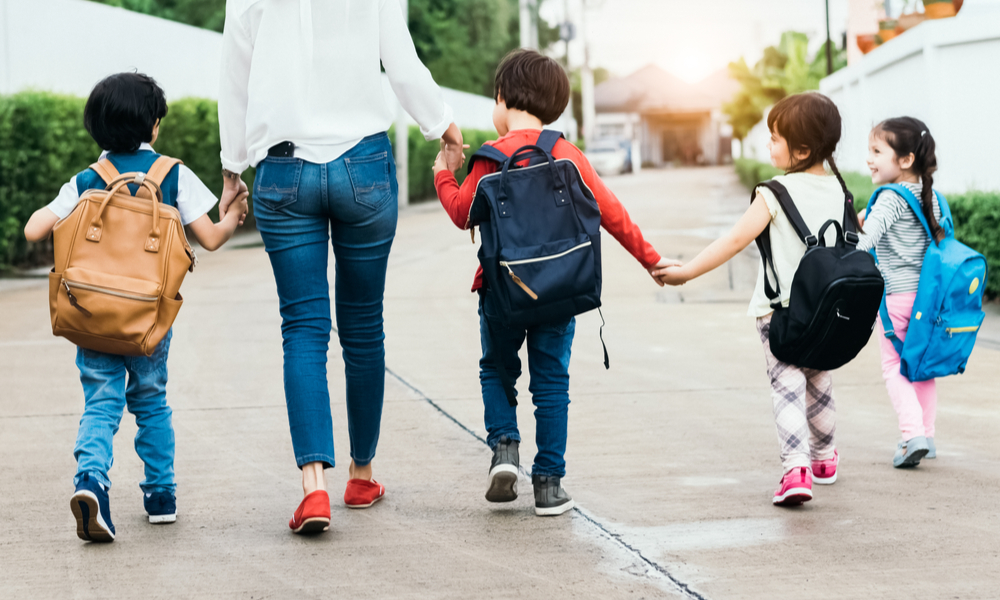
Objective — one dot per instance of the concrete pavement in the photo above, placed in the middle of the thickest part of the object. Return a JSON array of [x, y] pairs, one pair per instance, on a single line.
[[672, 453]]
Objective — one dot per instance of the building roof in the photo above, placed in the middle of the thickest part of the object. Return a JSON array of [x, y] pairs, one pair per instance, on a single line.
[[653, 90]]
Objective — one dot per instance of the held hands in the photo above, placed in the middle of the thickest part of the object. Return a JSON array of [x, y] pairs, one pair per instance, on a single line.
[[452, 146], [673, 275], [661, 267], [234, 191]]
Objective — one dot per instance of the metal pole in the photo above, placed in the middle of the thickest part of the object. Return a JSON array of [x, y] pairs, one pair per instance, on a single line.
[[586, 81], [402, 145], [529, 31], [829, 49]]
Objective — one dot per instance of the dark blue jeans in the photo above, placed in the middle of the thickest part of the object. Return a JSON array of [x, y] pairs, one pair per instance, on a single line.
[[549, 347], [299, 207]]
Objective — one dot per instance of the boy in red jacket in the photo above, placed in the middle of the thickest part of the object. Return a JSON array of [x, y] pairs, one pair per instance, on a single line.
[[532, 90]]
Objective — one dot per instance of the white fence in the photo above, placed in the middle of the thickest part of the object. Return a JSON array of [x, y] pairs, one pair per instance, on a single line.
[[942, 72]]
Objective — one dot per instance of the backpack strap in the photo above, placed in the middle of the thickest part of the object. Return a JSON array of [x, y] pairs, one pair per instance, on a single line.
[[773, 293], [788, 207], [106, 170], [161, 168], [487, 152], [548, 139]]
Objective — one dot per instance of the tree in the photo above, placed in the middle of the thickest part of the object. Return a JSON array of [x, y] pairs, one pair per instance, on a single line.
[[784, 69]]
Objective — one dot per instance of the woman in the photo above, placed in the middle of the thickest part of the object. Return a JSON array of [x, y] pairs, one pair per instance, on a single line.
[[301, 100]]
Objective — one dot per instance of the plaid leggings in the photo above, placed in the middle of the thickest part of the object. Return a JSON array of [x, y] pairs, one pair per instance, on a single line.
[[804, 411]]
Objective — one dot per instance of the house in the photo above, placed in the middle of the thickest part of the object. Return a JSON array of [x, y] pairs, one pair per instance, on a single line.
[[673, 121]]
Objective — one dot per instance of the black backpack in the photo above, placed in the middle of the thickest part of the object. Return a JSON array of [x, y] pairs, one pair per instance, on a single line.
[[835, 297], [541, 238]]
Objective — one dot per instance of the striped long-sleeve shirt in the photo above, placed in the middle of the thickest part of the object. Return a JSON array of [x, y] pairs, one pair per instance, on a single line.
[[899, 239]]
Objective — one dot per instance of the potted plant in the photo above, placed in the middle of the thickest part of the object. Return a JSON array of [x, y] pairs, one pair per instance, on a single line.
[[909, 19], [866, 42], [939, 9], [887, 29]]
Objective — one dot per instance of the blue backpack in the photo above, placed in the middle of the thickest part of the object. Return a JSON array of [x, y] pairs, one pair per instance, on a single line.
[[541, 238], [948, 310]]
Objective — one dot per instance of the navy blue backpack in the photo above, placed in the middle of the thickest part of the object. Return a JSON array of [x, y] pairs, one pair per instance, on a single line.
[[541, 237]]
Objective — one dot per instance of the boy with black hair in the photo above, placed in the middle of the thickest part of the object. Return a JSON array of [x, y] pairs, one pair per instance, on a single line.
[[123, 116], [532, 90]]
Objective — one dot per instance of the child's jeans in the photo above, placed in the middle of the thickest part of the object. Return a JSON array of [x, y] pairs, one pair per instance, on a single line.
[[110, 384], [549, 348], [915, 402], [804, 410]]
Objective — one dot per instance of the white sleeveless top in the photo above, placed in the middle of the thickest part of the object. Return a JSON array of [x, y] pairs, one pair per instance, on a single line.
[[819, 198]]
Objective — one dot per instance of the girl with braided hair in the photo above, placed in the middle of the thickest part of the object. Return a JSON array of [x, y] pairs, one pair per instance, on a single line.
[[805, 130], [902, 151]]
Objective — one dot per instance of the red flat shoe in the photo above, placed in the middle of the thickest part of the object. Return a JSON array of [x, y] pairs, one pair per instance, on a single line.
[[362, 494], [313, 515]]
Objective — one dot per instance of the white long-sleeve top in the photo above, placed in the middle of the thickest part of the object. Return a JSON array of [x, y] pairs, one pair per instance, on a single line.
[[307, 72]]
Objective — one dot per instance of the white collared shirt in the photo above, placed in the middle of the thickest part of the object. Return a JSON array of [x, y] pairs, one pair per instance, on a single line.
[[307, 72], [194, 199]]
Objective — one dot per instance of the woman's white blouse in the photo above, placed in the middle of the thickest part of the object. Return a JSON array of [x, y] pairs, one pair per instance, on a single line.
[[307, 71]]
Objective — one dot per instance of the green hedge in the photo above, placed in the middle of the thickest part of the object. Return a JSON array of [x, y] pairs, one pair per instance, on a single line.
[[43, 145], [976, 214]]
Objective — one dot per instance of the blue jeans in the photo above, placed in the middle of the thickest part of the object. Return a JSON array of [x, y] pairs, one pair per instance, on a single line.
[[111, 383], [297, 205], [549, 347]]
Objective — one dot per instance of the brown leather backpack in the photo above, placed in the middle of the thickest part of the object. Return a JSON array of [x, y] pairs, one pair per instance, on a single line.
[[119, 264]]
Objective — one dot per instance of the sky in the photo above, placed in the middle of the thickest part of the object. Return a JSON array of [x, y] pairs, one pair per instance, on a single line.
[[690, 38]]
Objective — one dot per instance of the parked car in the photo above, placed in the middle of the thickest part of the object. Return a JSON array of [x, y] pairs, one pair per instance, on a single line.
[[611, 156]]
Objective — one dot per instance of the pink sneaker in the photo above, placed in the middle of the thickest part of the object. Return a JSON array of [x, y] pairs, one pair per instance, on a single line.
[[825, 471], [796, 488]]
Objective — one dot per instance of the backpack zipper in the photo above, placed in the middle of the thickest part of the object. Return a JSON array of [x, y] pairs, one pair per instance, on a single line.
[[69, 285], [525, 261], [951, 330]]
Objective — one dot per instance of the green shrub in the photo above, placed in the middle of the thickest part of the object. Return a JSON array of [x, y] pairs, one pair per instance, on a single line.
[[751, 172], [977, 221], [42, 146]]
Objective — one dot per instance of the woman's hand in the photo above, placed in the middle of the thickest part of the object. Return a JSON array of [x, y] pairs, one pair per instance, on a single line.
[[232, 188], [452, 145]]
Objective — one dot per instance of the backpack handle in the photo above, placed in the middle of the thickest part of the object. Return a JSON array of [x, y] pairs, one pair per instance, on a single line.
[[527, 150], [97, 224]]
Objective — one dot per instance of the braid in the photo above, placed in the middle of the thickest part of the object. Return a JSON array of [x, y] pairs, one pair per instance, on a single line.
[[848, 197], [926, 164]]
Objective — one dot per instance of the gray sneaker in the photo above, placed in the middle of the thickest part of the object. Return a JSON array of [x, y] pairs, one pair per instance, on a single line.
[[909, 453], [931, 449], [550, 498], [503, 471]]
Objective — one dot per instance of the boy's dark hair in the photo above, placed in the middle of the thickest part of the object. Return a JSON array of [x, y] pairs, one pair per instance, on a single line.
[[906, 135], [534, 83], [810, 121], [122, 110]]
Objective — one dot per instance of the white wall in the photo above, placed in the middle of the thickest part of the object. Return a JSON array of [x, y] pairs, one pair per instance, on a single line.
[[67, 46], [943, 72]]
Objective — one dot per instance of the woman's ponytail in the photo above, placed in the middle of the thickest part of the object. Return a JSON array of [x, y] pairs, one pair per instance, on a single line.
[[906, 135]]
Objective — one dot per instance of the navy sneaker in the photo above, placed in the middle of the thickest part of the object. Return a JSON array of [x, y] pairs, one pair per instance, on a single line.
[[92, 511], [161, 506]]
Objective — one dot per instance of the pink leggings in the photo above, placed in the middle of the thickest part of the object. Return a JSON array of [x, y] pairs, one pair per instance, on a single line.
[[915, 403]]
